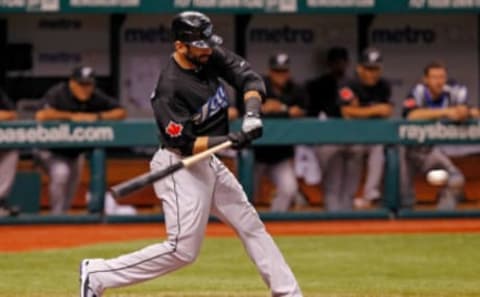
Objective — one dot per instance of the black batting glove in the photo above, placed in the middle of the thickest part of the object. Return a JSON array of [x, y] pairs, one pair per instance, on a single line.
[[239, 140]]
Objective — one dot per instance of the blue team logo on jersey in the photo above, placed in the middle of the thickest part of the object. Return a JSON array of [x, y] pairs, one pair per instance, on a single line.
[[213, 105]]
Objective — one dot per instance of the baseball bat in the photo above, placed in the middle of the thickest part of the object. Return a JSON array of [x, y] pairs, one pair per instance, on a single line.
[[145, 179]]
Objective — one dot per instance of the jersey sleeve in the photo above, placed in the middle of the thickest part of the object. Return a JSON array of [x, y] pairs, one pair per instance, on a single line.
[[459, 94], [104, 102], [51, 99], [236, 71], [174, 122], [300, 96], [346, 94], [387, 98], [413, 100], [5, 102]]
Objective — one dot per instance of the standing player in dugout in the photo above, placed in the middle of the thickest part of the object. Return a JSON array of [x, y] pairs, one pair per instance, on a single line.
[[190, 108]]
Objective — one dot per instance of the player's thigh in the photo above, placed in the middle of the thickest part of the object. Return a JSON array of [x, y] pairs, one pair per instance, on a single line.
[[229, 198], [185, 195], [327, 153]]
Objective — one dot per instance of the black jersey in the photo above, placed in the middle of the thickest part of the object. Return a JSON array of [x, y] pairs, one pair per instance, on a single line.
[[291, 95], [60, 97], [192, 103], [366, 95], [323, 96]]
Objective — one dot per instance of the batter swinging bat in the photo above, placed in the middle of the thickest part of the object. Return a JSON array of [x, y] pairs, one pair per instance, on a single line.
[[145, 179]]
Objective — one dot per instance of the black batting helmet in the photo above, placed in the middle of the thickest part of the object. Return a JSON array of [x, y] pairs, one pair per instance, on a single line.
[[194, 28]]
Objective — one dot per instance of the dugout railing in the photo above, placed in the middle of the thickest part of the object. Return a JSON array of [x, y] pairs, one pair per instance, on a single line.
[[97, 137]]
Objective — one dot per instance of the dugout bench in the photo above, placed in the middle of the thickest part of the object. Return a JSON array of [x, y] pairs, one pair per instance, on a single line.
[[98, 136]]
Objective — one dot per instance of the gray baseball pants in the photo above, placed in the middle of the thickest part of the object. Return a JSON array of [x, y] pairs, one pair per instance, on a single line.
[[282, 174], [8, 170], [423, 159], [189, 197], [64, 173], [375, 167], [341, 167]]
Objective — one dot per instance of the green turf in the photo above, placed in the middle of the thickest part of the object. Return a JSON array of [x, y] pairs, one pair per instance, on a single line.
[[347, 266]]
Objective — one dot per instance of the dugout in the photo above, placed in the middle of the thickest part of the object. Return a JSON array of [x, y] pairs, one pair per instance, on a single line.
[[42, 40]]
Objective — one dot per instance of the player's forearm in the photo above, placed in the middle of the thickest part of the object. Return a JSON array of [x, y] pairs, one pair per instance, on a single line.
[[354, 112], [426, 114], [382, 110], [51, 114], [203, 143], [114, 114], [7, 115]]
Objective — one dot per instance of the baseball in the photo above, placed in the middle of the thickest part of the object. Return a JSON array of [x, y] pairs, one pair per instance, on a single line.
[[437, 177]]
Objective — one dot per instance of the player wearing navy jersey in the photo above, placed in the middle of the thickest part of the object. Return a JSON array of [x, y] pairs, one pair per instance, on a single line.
[[190, 107], [435, 98], [8, 158]]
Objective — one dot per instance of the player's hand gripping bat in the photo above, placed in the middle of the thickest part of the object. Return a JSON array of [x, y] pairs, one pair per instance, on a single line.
[[145, 179]]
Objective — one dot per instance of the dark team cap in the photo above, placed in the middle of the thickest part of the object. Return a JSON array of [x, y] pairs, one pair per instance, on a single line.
[[279, 61], [371, 57], [83, 75], [194, 28]]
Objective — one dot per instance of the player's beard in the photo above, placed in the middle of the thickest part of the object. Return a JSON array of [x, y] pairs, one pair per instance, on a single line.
[[198, 61]]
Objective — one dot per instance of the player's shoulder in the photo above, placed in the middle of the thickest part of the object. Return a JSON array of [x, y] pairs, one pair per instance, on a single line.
[[169, 77], [456, 90], [454, 85], [58, 90], [59, 87]]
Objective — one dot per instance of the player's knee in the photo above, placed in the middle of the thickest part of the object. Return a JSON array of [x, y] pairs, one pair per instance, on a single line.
[[186, 253], [186, 257], [59, 173], [456, 180], [290, 188]]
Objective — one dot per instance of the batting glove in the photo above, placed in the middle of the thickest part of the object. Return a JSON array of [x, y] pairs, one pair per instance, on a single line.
[[239, 140]]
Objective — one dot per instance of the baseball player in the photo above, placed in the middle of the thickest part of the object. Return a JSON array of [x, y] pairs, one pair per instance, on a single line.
[[365, 96], [190, 108], [8, 159], [77, 100], [435, 98], [284, 98]]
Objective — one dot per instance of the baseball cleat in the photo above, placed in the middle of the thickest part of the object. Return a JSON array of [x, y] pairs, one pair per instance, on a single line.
[[85, 290]]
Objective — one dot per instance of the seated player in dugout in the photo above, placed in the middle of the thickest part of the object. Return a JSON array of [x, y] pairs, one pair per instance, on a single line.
[[77, 100], [367, 96], [283, 99], [8, 159], [435, 98]]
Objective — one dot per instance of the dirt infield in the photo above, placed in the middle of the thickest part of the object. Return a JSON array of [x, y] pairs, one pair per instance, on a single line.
[[27, 238]]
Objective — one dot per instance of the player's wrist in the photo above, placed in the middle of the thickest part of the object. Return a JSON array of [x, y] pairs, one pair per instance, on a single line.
[[253, 105]]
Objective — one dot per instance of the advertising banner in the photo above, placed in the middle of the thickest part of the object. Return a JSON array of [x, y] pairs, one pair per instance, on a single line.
[[305, 39], [61, 42]]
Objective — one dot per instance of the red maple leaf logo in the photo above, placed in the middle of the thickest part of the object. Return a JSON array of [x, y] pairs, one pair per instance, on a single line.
[[173, 129], [346, 94]]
